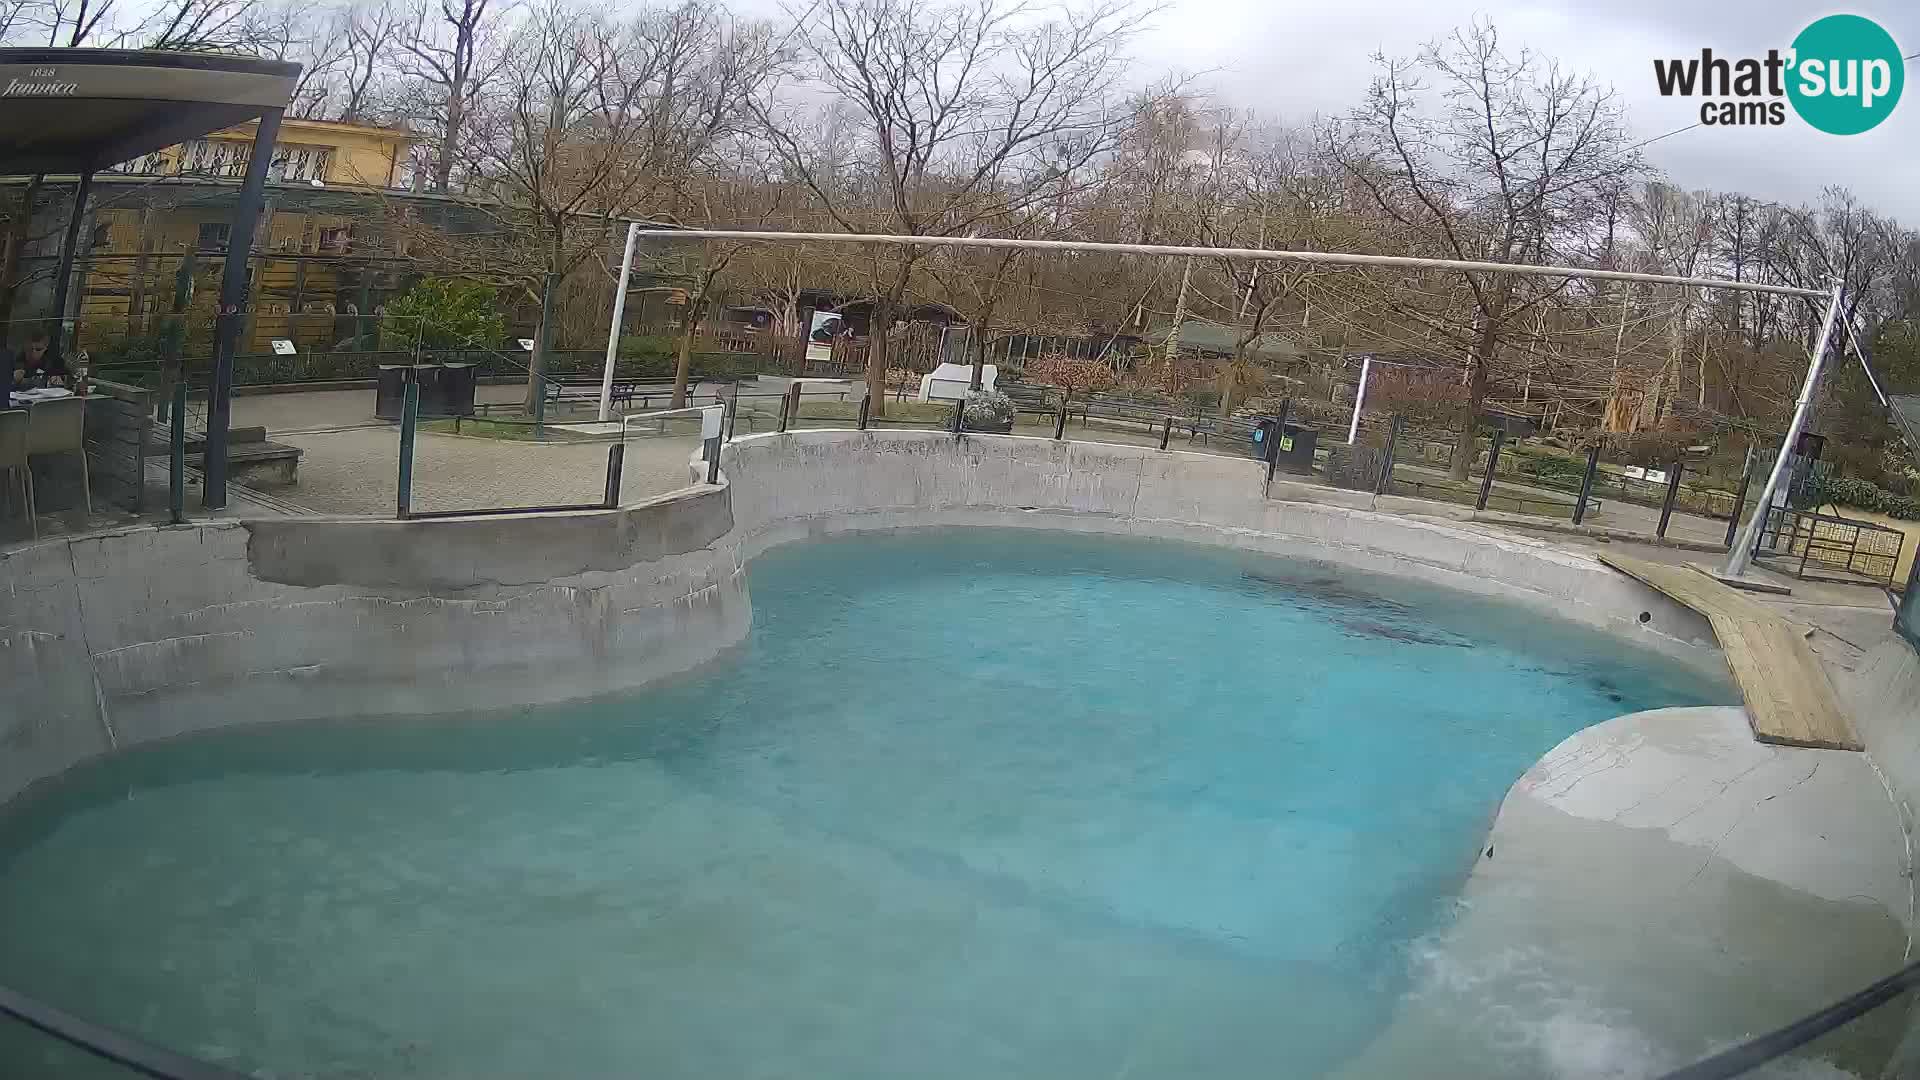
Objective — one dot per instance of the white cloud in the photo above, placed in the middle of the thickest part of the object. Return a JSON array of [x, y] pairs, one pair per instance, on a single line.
[[1295, 60]]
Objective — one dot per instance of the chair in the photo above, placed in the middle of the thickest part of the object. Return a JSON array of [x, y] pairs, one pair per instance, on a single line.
[[13, 458], [59, 427]]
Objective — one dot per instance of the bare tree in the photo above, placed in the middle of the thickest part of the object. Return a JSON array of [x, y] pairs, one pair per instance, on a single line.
[[594, 122], [967, 113], [1506, 168], [451, 46]]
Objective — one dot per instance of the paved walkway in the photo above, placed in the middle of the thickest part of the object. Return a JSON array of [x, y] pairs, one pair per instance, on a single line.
[[357, 471], [351, 460], [282, 413]]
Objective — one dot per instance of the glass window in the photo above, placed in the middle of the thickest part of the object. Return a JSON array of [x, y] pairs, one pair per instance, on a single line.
[[301, 163]]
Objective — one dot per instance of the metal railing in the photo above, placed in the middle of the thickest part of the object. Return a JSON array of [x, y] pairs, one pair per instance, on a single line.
[[1776, 1044], [108, 1044], [1819, 546]]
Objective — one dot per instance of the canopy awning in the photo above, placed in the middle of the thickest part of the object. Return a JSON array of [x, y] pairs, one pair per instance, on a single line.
[[81, 110]]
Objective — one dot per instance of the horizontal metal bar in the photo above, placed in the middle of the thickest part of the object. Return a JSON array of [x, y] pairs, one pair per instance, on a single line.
[[107, 1043], [1326, 258]]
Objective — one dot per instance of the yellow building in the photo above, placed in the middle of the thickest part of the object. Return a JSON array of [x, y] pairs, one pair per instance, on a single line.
[[331, 152], [174, 207]]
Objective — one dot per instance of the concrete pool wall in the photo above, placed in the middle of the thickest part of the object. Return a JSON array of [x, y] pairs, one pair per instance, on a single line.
[[118, 638]]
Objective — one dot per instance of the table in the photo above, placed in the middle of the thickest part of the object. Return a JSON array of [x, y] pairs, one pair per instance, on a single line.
[[26, 398]]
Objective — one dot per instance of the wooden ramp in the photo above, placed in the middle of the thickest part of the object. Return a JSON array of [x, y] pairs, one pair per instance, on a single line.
[[1789, 698]]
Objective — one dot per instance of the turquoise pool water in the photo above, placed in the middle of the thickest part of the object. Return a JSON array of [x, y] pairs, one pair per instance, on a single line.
[[970, 803]]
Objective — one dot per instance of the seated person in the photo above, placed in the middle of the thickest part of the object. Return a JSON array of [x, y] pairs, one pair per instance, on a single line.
[[37, 365]]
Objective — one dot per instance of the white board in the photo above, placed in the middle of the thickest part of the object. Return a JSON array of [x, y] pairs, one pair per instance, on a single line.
[[949, 382]]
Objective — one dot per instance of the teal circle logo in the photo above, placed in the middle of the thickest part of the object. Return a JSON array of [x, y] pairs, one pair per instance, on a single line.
[[1846, 74]]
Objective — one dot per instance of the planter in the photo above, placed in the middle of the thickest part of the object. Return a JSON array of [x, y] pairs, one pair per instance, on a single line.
[[1003, 428]]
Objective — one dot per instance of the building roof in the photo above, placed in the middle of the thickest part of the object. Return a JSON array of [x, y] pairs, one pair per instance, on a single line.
[[1211, 337], [79, 110], [291, 126]]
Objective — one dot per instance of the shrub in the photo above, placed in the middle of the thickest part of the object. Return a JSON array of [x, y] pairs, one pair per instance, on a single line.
[[446, 313], [1552, 468], [988, 408], [1202, 399], [1069, 374], [1421, 397], [1864, 494], [1656, 448]]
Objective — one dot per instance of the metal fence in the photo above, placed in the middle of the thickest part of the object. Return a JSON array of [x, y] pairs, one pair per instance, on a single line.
[[1907, 621], [1822, 547]]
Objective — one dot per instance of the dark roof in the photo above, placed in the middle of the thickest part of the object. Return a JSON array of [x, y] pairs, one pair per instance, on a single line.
[[1211, 337], [78, 110]]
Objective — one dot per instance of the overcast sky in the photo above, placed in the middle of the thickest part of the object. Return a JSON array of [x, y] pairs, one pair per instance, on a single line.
[[1293, 59]]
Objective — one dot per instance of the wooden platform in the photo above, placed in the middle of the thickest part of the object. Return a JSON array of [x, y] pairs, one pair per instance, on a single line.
[[1789, 698]]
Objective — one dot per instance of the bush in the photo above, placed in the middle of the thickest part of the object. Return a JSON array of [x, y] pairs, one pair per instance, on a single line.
[[1066, 373], [1866, 495], [445, 313], [1421, 397], [1655, 448], [640, 348], [988, 408], [1552, 468], [1202, 399]]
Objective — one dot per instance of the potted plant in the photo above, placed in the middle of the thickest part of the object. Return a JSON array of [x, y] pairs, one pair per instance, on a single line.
[[988, 411]]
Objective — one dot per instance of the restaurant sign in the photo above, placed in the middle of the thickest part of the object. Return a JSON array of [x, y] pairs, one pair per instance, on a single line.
[[39, 82]]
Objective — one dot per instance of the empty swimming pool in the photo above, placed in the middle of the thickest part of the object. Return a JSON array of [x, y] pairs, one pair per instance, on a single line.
[[966, 803]]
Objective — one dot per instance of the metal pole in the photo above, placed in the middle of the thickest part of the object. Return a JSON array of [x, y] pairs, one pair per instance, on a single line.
[[1359, 398], [542, 345], [1493, 462], [233, 303], [1740, 500], [1741, 554], [1384, 486], [1586, 483], [959, 416], [712, 450], [733, 410], [1673, 492], [70, 245], [1279, 436], [409, 417], [1060, 422], [616, 458], [866, 409], [1166, 432], [786, 406], [619, 315], [177, 456], [1310, 258]]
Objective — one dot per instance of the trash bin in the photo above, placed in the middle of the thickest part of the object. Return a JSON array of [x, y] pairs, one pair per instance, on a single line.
[[1296, 449], [390, 391], [1265, 430], [456, 390]]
